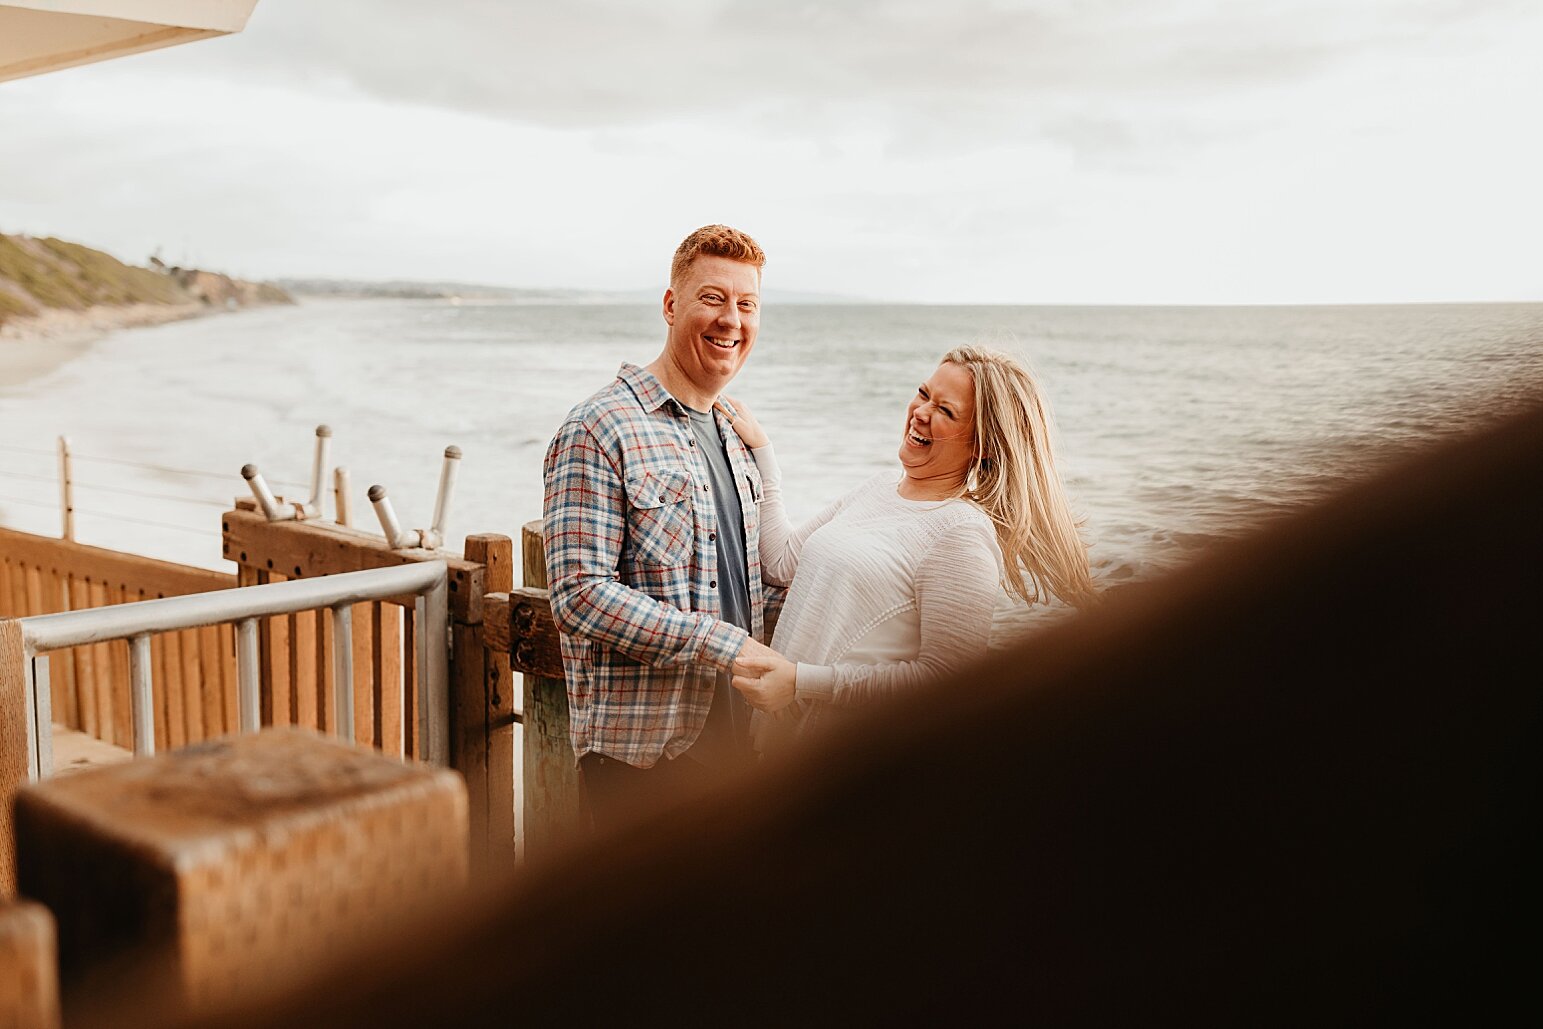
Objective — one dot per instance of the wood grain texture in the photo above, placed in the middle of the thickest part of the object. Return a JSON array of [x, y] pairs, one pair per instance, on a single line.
[[304, 549], [67, 558], [482, 737], [29, 978], [13, 742], [554, 817]]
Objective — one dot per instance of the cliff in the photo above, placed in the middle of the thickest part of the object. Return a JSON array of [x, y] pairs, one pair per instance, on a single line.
[[38, 276]]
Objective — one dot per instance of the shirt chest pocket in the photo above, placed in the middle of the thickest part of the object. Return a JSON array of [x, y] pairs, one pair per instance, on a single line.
[[660, 532]]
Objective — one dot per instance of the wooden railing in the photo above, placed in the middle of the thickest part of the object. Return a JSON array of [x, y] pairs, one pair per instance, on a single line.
[[297, 677], [195, 670]]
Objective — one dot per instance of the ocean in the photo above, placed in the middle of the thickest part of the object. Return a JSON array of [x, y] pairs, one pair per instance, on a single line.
[[1176, 427]]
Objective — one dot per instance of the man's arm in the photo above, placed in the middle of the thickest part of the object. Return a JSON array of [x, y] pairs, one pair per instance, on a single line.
[[585, 519]]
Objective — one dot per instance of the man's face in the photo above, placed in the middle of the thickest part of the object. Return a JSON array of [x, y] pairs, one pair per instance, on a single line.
[[713, 311]]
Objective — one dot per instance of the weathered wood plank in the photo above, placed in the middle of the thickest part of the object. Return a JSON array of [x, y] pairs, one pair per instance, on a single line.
[[302, 668], [326, 700], [85, 670], [410, 686], [13, 743], [228, 678], [501, 693], [76, 560], [173, 691], [112, 721], [158, 691], [211, 683], [321, 548], [61, 666], [487, 767], [387, 684], [192, 687], [553, 812], [274, 637], [363, 634], [499, 689], [468, 733]]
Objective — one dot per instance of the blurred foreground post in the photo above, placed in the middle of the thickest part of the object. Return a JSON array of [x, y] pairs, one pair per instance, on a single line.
[[29, 981], [222, 870]]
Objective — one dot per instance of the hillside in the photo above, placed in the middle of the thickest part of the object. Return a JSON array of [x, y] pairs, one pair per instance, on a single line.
[[401, 289], [42, 275]]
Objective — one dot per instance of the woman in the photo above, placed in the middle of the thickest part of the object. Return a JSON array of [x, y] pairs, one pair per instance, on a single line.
[[896, 582]]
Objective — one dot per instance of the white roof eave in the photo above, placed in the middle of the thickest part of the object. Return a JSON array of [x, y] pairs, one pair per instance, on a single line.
[[38, 36]]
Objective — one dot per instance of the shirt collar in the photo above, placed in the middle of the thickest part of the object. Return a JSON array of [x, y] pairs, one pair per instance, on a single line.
[[651, 392], [645, 386]]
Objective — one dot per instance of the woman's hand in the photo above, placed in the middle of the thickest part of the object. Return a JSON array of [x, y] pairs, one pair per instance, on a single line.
[[768, 680], [744, 423]]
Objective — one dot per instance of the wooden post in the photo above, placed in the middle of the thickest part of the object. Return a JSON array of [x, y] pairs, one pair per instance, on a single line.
[[552, 808], [482, 716], [13, 742], [66, 488]]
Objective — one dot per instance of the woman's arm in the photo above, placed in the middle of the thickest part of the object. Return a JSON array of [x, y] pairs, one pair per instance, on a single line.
[[780, 543], [957, 587]]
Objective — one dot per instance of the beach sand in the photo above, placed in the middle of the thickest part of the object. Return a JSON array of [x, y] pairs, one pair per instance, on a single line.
[[33, 347]]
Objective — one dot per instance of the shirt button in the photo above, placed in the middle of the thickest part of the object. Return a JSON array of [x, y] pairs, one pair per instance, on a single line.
[[692, 442], [704, 485], [661, 498], [712, 537], [713, 584]]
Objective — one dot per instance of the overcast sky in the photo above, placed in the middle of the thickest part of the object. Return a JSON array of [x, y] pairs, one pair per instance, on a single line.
[[1044, 151]]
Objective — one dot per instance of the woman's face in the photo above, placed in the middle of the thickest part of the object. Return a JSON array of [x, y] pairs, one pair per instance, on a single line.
[[939, 440]]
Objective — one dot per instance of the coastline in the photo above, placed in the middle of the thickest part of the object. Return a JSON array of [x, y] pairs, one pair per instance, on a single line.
[[33, 346]]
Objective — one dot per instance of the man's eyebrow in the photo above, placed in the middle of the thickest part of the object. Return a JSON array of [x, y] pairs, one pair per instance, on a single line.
[[714, 287]]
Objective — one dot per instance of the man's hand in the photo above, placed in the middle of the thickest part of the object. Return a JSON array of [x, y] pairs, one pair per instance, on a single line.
[[744, 423], [768, 680]]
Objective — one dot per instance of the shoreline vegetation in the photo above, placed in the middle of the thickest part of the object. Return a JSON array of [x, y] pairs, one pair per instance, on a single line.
[[57, 297]]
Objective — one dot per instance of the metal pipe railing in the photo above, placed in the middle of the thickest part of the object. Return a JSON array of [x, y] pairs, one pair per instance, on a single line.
[[137, 622]]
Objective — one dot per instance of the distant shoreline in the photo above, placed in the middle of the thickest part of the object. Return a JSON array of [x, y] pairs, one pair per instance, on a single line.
[[33, 346]]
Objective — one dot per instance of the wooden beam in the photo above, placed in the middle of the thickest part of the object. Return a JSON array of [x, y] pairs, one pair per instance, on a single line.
[[299, 550], [519, 623], [66, 559]]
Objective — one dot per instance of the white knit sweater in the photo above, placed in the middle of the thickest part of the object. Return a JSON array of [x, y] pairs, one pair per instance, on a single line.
[[888, 592]]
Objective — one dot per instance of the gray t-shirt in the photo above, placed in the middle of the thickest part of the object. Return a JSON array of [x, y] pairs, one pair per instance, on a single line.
[[725, 738]]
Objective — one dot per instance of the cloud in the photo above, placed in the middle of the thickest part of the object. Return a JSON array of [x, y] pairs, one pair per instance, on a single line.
[[746, 65], [1080, 150]]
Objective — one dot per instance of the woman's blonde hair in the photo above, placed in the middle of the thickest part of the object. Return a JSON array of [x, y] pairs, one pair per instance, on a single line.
[[1014, 481]]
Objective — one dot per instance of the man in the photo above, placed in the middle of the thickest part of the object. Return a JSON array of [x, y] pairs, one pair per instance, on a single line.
[[652, 545]]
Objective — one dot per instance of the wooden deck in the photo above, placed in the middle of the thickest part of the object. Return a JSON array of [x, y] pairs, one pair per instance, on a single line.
[[75, 751]]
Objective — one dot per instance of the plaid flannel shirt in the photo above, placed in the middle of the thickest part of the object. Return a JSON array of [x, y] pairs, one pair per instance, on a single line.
[[632, 566]]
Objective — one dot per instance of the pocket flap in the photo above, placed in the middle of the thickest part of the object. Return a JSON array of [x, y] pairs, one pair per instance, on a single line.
[[658, 487]]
